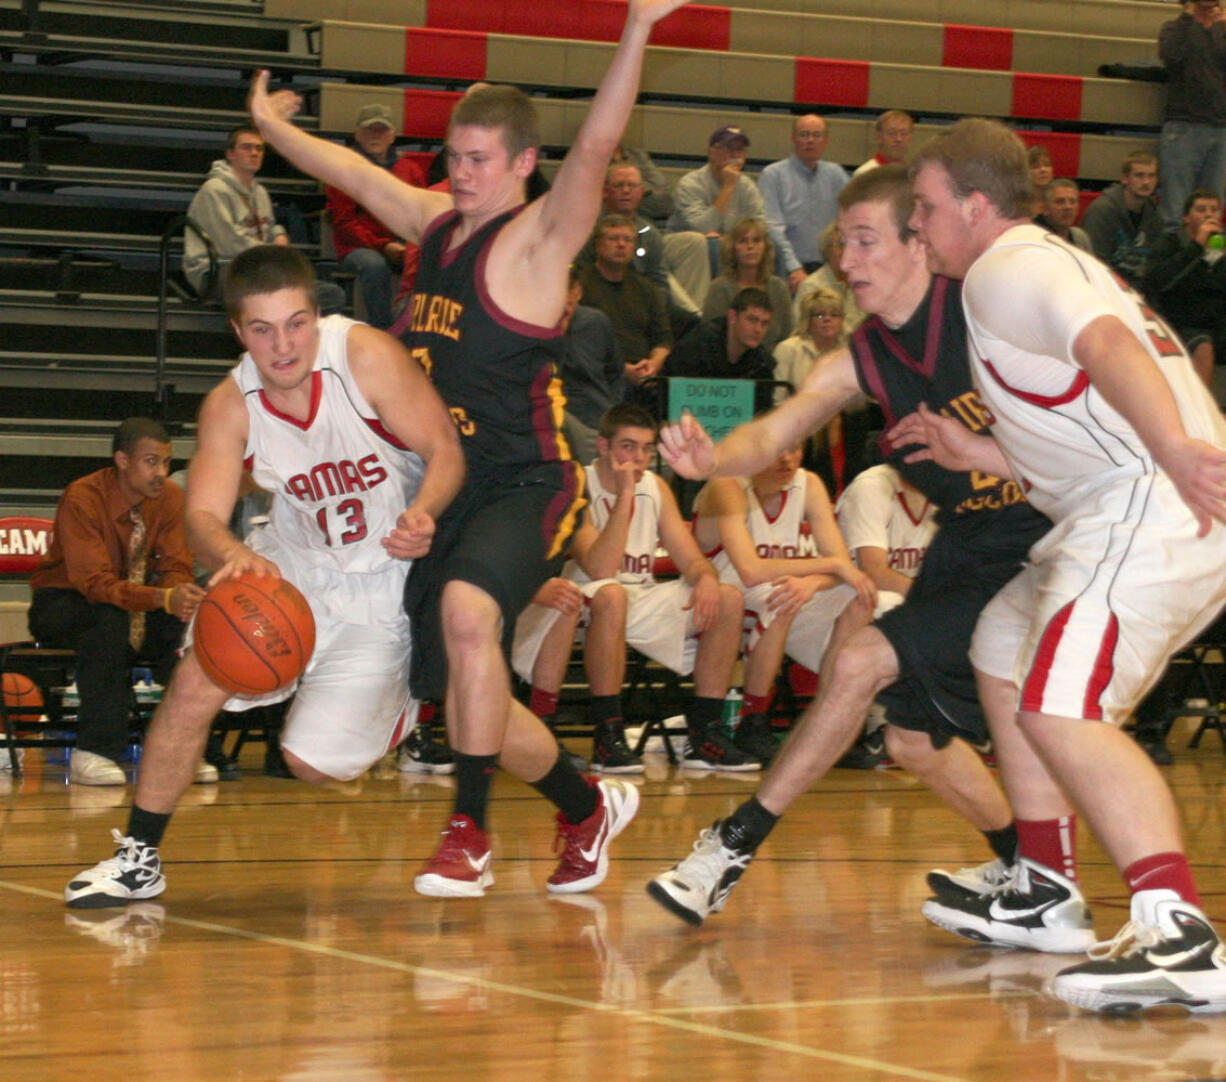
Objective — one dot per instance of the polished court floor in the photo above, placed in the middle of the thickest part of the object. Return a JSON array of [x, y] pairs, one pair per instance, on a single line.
[[290, 946]]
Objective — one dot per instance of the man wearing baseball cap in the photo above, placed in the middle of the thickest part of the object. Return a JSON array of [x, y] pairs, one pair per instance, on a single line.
[[364, 245], [713, 198]]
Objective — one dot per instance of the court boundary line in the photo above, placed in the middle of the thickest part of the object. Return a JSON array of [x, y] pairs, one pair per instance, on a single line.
[[654, 1018]]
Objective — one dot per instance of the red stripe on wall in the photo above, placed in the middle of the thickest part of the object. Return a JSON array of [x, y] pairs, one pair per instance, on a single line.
[[1054, 97], [987, 48], [831, 82], [695, 26], [426, 112], [1064, 148], [486, 15], [446, 54]]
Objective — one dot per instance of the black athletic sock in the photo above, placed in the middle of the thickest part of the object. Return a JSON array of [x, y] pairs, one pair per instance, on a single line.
[[474, 774], [703, 713], [1003, 842], [747, 827], [147, 827], [606, 710], [568, 791]]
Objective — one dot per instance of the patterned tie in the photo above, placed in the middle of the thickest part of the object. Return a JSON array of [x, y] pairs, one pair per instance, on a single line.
[[136, 574]]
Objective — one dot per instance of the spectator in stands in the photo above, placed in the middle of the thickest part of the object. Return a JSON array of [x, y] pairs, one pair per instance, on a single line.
[[364, 245], [592, 370], [1186, 282], [820, 328], [729, 347], [1061, 203], [801, 198], [894, 129], [657, 201], [754, 527], [1193, 142], [829, 276], [234, 210], [712, 199], [675, 262], [691, 624], [1123, 223], [747, 261], [631, 302], [116, 584]]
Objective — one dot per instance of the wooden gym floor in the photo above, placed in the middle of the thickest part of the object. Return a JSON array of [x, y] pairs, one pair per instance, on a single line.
[[290, 945]]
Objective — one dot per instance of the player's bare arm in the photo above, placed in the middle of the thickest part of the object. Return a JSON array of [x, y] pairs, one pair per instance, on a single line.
[[819, 513], [830, 385], [213, 479], [695, 568], [948, 443], [404, 209], [1124, 373], [539, 245], [410, 408], [600, 552], [560, 594], [875, 563]]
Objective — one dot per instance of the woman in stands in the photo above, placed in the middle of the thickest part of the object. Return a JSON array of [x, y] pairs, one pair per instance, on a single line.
[[748, 259]]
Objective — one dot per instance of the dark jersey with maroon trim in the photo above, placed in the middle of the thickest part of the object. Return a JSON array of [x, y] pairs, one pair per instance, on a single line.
[[497, 375], [925, 360]]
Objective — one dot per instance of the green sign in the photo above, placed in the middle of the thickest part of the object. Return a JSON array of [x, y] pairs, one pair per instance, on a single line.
[[720, 404]]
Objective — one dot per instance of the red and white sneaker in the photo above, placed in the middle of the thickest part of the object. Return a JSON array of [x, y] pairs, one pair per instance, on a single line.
[[461, 867], [585, 860]]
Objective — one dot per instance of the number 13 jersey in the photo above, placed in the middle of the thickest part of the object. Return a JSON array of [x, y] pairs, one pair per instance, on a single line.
[[339, 479]]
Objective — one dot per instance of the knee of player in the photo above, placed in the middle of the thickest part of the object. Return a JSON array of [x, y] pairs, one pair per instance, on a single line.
[[865, 661], [911, 750], [609, 601], [303, 771], [470, 617], [731, 603]]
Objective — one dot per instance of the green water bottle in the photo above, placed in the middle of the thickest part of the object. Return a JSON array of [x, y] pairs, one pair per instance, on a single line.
[[732, 710]]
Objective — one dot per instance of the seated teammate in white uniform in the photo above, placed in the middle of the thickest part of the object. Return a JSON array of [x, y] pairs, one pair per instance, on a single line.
[[691, 624], [751, 531], [1097, 409], [346, 431], [887, 524]]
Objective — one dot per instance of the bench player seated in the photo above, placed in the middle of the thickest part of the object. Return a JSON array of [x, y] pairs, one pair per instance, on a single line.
[[692, 624], [346, 431], [750, 529], [887, 524]]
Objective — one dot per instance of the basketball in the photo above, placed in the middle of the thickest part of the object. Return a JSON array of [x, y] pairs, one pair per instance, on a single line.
[[22, 698], [254, 634]]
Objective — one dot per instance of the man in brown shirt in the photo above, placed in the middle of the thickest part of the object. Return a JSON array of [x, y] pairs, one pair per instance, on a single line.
[[116, 583]]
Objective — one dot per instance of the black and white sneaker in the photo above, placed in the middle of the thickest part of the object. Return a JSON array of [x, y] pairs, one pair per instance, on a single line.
[[754, 737], [1167, 955], [700, 884], [1036, 908], [611, 754], [422, 754], [132, 874], [981, 879], [710, 749]]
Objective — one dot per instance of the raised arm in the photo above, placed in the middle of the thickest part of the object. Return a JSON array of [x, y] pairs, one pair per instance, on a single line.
[[829, 386], [405, 210]]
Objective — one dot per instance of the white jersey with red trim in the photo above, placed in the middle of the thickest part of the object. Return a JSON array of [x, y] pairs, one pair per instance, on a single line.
[[875, 512], [644, 536], [774, 538], [339, 479], [1026, 299]]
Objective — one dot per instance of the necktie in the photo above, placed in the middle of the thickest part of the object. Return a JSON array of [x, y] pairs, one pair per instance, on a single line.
[[136, 574]]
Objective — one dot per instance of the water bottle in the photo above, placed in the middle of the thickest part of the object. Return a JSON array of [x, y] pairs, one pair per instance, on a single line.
[[732, 710], [1216, 242]]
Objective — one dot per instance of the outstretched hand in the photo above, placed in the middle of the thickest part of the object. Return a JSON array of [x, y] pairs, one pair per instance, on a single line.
[[1198, 470], [685, 446], [263, 106], [937, 438]]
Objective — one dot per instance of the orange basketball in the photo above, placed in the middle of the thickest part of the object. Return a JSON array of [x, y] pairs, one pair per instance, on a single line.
[[254, 634], [22, 698]]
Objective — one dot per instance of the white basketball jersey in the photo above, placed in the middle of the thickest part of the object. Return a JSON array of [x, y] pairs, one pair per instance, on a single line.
[[874, 512], [774, 538], [1026, 299], [644, 536], [339, 479]]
